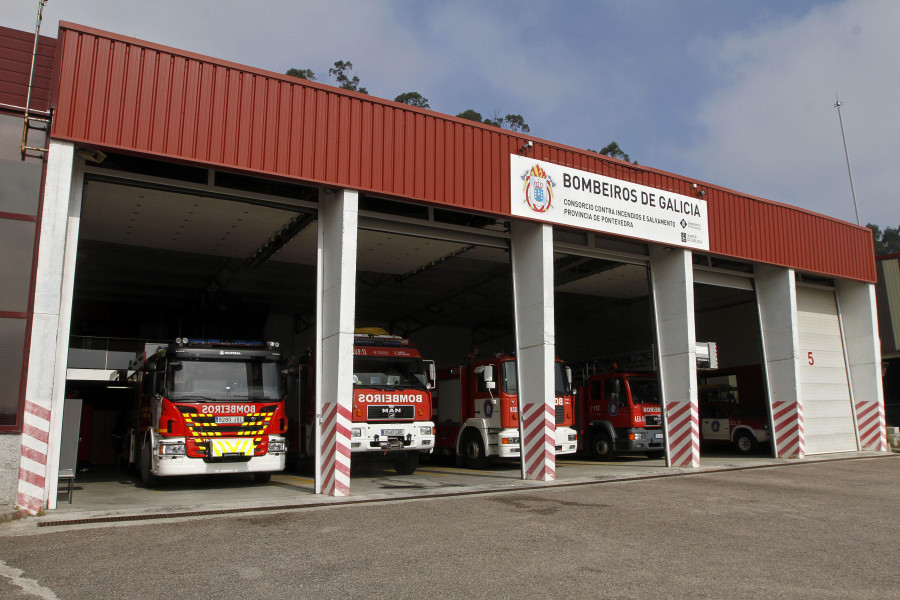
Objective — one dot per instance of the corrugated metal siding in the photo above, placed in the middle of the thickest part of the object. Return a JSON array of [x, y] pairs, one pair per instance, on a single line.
[[118, 93], [15, 65], [888, 297]]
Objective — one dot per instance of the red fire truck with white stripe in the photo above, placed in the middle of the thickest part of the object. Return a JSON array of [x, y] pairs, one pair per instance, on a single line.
[[391, 406], [478, 411], [206, 407]]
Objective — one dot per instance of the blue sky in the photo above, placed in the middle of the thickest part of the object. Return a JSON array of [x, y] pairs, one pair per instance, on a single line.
[[732, 92]]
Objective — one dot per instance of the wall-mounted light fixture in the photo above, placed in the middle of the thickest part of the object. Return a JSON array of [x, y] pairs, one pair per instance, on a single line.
[[701, 193], [526, 146]]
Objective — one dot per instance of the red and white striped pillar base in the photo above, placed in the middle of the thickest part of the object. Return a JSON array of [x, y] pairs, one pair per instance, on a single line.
[[872, 427], [539, 444], [683, 434], [33, 463], [335, 450], [787, 417]]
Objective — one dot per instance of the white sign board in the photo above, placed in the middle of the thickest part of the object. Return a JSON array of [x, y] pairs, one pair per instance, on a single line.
[[565, 196]]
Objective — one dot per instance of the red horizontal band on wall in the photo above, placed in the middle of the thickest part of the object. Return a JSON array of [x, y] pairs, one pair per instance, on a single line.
[[123, 94]]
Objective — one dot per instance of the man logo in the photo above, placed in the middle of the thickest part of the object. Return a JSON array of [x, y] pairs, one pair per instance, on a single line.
[[538, 189]]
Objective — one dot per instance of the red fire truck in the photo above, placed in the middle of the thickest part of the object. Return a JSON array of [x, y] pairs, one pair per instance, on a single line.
[[391, 407], [478, 419], [621, 410], [206, 407]]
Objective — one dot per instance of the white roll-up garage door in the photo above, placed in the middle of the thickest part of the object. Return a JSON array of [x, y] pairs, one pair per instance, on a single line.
[[827, 411]]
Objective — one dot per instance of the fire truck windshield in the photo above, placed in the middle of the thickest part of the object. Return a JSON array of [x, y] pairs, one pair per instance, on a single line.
[[388, 371], [644, 390], [224, 380], [509, 382]]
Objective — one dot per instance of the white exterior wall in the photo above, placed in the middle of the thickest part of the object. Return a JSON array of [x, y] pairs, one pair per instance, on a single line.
[[859, 316], [672, 277], [532, 271], [336, 293], [46, 378]]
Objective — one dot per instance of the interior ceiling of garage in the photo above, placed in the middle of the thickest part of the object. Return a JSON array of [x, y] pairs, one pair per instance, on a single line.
[[195, 255]]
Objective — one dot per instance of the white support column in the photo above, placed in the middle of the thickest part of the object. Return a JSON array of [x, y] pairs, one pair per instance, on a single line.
[[859, 317], [672, 275], [532, 270], [336, 293], [776, 295], [54, 283]]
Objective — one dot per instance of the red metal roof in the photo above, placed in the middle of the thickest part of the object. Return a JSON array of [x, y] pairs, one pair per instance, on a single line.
[[124, 94], [15, 66]]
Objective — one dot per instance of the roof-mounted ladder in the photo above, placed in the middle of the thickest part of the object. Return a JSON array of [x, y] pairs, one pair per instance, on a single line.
[[31, 122]]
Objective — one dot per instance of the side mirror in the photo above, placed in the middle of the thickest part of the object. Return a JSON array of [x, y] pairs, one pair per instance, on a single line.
[[569, 376], [487, 373], [176, 366], [431, 372]]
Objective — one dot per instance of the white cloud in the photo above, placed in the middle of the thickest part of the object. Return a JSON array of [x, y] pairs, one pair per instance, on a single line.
[[771, 129]]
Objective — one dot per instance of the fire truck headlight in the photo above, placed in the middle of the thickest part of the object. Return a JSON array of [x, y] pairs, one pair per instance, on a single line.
[[356, 432], [171, 449], [511, 440], [637, 436], [277, 446], [573, 437], [426, 431]]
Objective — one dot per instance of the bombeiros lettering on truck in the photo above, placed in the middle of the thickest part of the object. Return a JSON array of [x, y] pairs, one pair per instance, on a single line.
[[477, 411], [204, 407], [390, 407]]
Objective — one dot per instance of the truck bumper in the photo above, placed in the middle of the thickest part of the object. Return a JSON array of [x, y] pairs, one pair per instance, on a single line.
[[566, 440], [640, 440], [167, 466], [366, 437], [508, 442]]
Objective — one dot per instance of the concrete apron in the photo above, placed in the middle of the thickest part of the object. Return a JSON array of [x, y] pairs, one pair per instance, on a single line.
[[111, 498]]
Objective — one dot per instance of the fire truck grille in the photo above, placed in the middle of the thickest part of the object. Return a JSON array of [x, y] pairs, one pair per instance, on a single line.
[[653, 420], [560, 414], [211, 425]]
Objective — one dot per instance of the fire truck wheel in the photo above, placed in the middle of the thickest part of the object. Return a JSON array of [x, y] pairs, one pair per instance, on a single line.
[[472, 449], [407, 463], [149, 479], [262, 477], [745, 443], [602, 446]]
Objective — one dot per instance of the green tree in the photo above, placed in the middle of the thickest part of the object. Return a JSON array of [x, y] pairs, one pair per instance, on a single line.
[[471, 115], [341, 74], [511, 122], [302, 74], [887, 241], [413, 99], [612, 149]]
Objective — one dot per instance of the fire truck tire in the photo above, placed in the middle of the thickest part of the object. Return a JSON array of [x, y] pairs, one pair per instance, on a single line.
[[745, 443], [602, 446], [149, 479], [407, 463], [262, 477], [472, 449]]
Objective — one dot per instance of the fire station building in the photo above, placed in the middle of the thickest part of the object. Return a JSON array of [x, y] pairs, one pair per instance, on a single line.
[[148, 193]]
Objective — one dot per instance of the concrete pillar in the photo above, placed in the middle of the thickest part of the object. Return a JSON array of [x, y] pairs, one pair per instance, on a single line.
[[672, 276], [859, 319], [532, 269], [776, 295], [336, 293], [47, 356]]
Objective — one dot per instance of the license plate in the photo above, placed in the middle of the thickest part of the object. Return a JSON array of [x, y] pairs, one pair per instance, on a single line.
[[391, 432], [229, 420], [658, 436]]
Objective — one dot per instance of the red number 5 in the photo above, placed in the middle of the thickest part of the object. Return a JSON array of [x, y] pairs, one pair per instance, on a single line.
[[812, 361]]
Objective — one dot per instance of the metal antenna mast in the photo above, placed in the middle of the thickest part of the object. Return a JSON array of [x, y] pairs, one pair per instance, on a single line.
[[837, 105]]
